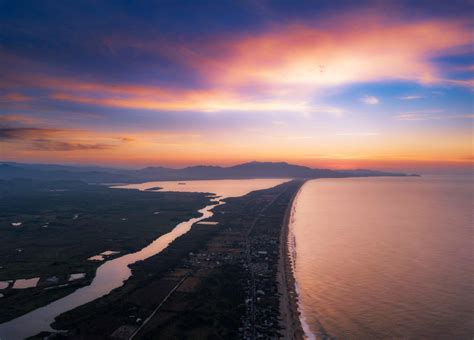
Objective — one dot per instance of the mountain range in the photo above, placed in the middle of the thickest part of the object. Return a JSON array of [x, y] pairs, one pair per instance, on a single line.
[[95, 174]]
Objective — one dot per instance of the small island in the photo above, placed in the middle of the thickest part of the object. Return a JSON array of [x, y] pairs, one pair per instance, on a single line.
[[154, 189]]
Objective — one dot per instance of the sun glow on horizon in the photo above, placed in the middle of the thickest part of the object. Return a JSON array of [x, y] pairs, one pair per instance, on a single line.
[[371, 87]]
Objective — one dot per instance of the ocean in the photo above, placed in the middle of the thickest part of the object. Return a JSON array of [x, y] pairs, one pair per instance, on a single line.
[[387, 257]]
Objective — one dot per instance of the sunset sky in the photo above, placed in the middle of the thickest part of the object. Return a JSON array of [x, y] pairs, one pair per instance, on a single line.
[[383, 85]]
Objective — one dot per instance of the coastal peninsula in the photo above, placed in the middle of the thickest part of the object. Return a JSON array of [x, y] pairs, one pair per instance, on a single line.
[[218, 280]]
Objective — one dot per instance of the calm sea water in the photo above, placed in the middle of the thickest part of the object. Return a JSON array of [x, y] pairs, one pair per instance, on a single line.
[[386, 257]]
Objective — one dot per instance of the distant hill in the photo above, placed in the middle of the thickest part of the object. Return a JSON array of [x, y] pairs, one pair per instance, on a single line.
[[254, 170], [9, 170], [247, 170]]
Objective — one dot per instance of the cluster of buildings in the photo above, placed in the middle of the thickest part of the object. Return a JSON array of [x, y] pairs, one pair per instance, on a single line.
[[263, 295], [255, 247]]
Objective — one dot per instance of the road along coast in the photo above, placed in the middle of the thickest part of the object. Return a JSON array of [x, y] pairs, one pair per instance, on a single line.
[[289, 314]]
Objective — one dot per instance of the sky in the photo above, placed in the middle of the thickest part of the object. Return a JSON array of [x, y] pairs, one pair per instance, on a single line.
[[381, 84]]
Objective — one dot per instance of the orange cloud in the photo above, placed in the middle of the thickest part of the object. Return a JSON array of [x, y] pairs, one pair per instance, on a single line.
[[346, 51], [32, 133], [14, 97], [287, 64], [162, 148], [284, 66], [204, 101], [158, 98], [49, 145], [53, 139], [18, 119]]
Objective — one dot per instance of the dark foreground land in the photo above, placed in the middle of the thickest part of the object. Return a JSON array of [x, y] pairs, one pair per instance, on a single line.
[[215, 282], [64, 223]]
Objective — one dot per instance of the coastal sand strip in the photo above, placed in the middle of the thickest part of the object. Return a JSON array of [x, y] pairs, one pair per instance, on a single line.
[[290, 320]]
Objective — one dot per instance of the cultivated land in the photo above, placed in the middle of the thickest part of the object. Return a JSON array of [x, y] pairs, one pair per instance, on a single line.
[[64, 223], [216, 281]]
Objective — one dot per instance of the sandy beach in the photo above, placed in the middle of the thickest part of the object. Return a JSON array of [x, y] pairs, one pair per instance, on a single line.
[[290, 318]]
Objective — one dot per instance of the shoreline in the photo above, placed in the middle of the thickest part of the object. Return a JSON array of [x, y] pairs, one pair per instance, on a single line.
[[290, 322]]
